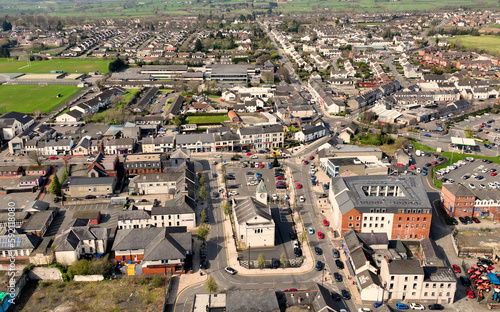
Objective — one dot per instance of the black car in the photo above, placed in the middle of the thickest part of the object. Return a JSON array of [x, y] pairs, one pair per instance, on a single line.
[[214, 175], [487, 262], [440, 158], [297, 251], [337, 277], [232, 186], [464, 281], [468, 220], [230, 177], [346, 294], [275, 263], [90, 197], [454, 221], [318, 251], [462, 220], [56, 199], [319, 266], [335, 296], [339, 264], [243, 165], [428, 164], [435, 306], [215, 194], [250, 173], [292, 235], [323, 195], [336, 253]]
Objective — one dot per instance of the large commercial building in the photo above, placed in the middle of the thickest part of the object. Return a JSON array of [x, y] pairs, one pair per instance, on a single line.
[[260, 137], [232, 74], [397, 206]]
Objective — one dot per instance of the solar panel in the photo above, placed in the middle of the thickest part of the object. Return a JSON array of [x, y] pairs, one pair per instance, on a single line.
[[4, 242]]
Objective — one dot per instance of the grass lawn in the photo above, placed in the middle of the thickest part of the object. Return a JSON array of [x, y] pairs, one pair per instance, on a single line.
[[130, 93], [66, 65], [27, 98], [207, 119], [490, 44], [115, 295]]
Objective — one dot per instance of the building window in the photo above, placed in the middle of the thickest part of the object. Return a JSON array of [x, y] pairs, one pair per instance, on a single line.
[[425, 294], [433, 294], [391, 286], [357, 218], [433, 285], [350, 224], [357, 224], [406, 278], [350, 218], [415, 278], [392, 278]]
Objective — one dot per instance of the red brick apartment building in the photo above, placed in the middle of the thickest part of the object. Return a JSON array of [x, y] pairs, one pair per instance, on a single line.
[[397, 206], [459, 201]]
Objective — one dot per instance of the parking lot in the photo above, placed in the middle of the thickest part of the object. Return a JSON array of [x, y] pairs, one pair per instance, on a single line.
[[279, 210], [471, 169]]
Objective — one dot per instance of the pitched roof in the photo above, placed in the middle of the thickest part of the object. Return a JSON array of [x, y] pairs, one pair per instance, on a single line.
[[73, 236], [458, 189], [249, 208]]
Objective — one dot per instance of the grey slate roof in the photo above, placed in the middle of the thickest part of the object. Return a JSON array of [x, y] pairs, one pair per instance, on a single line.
[[137, 214], [405, 267], [352, 194], [193, 138], [158, 243], [73, 236], [91, 181], [252, 301], [248, 208], [27, 242], [458, 189]]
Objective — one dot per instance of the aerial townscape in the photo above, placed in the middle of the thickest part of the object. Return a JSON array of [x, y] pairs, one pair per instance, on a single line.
[[244, 156]]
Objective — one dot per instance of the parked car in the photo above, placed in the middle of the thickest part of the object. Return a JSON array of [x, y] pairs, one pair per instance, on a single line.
[[454, 221], [401, 306], [321, 235], [90, 197], [297, 251], [230, 270], [339, 264], [469, 220], [456, 268], [319, 266], [462, 220], [302, 199], [318, 251], [53, 157], [299, 186], [345, 294], [435, 306], [336, 253], [275, 263], [464, 281], [470, 293], [310, 230], [325, 222], [416, 306], [476, 220], [335, 296], [337, 276], [377, 304]]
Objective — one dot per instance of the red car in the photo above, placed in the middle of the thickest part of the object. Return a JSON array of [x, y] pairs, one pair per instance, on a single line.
[[306, 162], [53, 157], [299, 186], [279, 178], [66, 157], [493, 174], [456, 268], [249, 154], [214, 162], [325, 222], [321, 235], [261, 165], [311, 157], [470, 294]]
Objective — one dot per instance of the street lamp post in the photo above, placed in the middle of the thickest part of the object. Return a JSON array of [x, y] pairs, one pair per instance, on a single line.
[[249, 263]]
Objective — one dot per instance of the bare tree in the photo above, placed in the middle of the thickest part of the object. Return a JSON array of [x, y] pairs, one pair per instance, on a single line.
[[36, 156], [268, 77], [37, 113], [194, 86]]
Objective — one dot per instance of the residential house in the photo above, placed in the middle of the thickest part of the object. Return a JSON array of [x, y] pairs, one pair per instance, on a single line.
[[103, 166], [158, 250], [261, 137], [310, 133], [78, 241], [119, 146], [158, 144], [70, 117], [20, 246], [196, 142]]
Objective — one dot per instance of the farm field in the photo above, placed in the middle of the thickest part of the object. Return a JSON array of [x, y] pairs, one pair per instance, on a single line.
[[66, 65], [159, 8], [207, 119], [490, 44], [27, 98]]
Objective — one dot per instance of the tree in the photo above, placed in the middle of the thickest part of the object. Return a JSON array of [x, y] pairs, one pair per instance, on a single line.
[[211, 285], [59, 26], [202, 179], [268, 77], [81, 267], [6, 25], [276, 162], [226, 208], [55, 186], [202, 232], [283, 259], [194, 86], [203, 214], [203, 192], [284, 74], [101, 267], [179, 120], [198, 46], [116, 65], [36, 156], [37, 113], [261, 260]]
